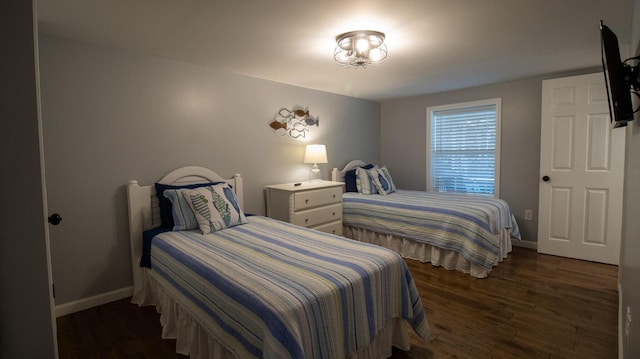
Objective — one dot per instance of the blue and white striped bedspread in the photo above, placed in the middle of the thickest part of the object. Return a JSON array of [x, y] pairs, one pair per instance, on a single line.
[[466, 224], [274, 290]]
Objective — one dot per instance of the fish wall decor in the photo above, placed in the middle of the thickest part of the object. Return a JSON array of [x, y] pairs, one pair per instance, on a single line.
[[294, 123]]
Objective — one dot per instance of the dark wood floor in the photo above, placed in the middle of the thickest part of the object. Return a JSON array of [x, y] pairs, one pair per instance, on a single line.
[[531, 306]]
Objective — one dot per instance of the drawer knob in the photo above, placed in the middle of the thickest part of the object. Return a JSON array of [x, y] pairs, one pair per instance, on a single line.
[[306, 201], [334, 213], [306, 220]]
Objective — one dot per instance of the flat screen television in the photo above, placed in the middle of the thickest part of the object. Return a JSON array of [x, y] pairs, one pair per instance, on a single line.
[[620, 78]]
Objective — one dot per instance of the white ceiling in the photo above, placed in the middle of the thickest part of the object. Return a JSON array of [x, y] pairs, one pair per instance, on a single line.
[[434, 45]]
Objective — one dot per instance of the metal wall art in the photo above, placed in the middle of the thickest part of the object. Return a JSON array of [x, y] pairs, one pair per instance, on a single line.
[[294, 123]]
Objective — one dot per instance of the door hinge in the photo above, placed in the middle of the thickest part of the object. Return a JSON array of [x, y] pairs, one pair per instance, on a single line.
[[53, 289]]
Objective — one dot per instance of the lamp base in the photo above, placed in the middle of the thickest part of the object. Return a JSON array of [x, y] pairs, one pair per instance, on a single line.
[[314, 174]]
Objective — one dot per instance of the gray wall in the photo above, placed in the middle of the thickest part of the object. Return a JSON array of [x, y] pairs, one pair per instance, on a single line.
[[111, 116], [27, 327], [403, 141], [629, 274]]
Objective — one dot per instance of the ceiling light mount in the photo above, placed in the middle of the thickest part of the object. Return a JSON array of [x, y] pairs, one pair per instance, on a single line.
[[360, 49]]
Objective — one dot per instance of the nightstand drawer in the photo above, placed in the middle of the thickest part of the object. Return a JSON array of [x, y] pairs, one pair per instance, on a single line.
[[318, 197], [331, 227], [313, 217]]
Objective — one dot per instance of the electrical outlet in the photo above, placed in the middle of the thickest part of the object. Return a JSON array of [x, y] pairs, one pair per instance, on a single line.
[[528, 215]]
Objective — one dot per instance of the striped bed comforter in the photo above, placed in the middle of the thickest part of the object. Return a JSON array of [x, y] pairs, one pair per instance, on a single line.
[[469, 225], [274, 290]]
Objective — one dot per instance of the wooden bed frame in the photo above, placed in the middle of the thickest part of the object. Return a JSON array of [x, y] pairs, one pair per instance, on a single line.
[[144, 213], [338, 175]]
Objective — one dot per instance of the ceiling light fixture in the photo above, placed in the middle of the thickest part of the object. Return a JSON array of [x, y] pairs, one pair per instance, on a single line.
[[360, 49]]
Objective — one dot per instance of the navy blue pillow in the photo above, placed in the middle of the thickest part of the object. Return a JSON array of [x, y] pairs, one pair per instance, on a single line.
[[147, 237], [166, 215], [350, 179]]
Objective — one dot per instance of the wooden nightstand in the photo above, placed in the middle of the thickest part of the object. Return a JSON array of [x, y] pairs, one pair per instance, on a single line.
[[316, 205]]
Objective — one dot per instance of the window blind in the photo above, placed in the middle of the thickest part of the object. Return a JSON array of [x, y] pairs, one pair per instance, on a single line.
[[463, 150]]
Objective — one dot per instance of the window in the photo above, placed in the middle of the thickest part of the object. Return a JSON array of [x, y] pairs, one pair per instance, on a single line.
[[463, 142]]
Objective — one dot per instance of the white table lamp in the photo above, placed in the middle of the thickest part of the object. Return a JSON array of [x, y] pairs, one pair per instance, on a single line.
[[315, 154]]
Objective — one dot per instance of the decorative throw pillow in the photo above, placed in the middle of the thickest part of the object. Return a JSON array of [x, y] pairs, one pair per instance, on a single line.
[[183, 217], [364, 181], [166, 217], [350, 179], [382, 179], [215, 207]]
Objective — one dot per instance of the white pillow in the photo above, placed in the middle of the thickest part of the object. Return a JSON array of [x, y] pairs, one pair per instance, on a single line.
[[215, 207]]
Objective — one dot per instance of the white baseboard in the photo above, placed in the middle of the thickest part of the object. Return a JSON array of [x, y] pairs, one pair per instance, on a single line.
[[96, 300], [525, 244]]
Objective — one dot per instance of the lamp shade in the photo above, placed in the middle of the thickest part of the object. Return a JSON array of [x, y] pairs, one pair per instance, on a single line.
[[315, 154]]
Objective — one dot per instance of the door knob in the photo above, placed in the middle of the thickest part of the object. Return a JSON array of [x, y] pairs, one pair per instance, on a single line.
[[55, 219], [546, 178]]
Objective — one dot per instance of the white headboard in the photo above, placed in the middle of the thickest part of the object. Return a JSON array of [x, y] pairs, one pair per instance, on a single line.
[[144, 212], [338, 175]]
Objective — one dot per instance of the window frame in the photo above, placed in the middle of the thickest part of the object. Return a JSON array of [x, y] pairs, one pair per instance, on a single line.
[[461, 105]]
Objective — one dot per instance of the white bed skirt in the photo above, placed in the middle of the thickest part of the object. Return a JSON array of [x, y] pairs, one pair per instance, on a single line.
[[192, 340], [409, 248]]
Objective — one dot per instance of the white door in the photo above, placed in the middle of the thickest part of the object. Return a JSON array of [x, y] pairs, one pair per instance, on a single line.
[[581, 171]]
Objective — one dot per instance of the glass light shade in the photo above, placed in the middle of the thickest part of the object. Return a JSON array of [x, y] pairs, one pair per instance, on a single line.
[[360, 48]]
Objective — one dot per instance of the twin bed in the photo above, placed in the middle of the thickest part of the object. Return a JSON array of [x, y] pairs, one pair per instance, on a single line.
[[257, 287], [471, 234]]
